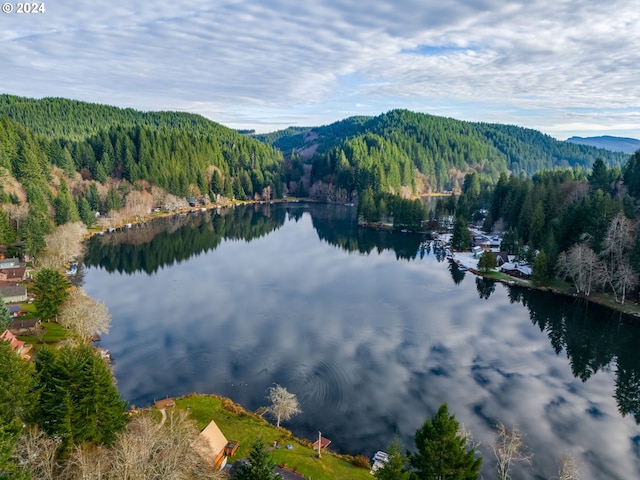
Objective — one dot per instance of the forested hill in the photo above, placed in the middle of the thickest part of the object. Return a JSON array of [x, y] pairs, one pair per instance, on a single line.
[[76, 120], [423, 152], [183, 153]]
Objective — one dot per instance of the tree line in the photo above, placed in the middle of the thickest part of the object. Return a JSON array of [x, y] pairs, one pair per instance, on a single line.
[[583, 225], [402, 151]]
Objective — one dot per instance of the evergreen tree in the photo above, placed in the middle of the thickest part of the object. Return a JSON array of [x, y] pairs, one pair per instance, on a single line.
[[79, 401], [51, 289], [442, 452], [86, 214], [93, 197], [461, 238], [65, 208], [396, 467], [33, 230], [259, 465], [487, 262], [367, 206], [540, 275], [216, 183], [5, 316], [18, 396], [599, 178], [7, 233]]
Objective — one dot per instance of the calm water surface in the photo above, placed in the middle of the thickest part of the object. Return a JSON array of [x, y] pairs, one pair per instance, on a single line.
[[371, 330]]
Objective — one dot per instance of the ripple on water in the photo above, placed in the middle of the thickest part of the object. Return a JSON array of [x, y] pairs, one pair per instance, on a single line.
[[323, 384]]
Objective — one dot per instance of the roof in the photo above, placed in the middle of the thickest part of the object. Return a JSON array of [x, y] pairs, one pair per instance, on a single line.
[[213, 441], [16, 344], [13, 291], [324, 443], [14, 273], [165, 403], [24, 323], [9, 262]]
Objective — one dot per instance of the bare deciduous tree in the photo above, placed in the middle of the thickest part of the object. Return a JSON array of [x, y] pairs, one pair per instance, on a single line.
[[138, 204], [88, 462], [17, 212], [509, 449], [150, 450], [84, 315], [284, 404], [569, 468], [36, 453], [580, 264], [63, 244], [614, 269]]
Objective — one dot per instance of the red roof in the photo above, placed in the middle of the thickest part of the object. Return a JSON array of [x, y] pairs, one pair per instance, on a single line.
[[324, 443]]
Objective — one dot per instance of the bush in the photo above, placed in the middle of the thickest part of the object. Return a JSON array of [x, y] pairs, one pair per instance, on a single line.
[[361, 461]]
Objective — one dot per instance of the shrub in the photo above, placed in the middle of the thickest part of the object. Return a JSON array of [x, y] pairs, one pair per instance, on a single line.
[[361, 461]]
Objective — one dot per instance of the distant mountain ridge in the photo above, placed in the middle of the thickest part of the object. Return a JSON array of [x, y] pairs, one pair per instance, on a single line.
[[615, 144], [402, 151]]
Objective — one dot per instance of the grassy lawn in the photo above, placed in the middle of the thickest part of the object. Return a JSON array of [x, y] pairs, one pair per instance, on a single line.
[[245, 427], [53, 333]]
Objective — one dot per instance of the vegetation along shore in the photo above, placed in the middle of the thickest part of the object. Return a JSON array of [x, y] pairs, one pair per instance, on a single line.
[[568, 212]]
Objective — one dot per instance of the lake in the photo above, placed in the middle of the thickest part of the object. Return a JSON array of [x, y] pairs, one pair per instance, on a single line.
[[372, 331]]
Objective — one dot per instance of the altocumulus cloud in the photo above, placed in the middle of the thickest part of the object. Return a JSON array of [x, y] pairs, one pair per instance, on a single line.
[[277, 61]]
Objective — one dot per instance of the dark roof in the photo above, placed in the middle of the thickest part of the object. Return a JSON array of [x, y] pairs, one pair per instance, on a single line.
[[13, 290], [24, 323]]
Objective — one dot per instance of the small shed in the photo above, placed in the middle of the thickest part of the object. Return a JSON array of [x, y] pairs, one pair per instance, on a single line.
[[324, 443]]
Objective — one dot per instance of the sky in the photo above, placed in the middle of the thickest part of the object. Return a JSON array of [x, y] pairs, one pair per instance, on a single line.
[[564, 67]]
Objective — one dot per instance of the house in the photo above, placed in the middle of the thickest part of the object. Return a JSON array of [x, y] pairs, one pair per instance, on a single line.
[[517, 270], [14, 275], [211, 445], [501, 258], [18, 346], [25, 326], [9, 263], [477, 251], [13, 293]]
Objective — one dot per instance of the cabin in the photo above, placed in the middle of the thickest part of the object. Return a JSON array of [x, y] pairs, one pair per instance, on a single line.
[[212, 445]]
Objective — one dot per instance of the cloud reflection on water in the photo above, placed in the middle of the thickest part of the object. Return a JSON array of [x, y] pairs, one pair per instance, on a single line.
[[371, 346]]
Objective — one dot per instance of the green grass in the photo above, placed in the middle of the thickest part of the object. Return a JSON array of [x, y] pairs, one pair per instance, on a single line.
[[246, 427], [53, 333]]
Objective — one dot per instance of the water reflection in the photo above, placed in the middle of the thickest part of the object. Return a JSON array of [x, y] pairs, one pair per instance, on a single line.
[[593, 338], [485, 287], [369, 344]]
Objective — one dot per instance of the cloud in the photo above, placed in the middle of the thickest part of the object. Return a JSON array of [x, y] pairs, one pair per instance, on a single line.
[[281, 59]]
